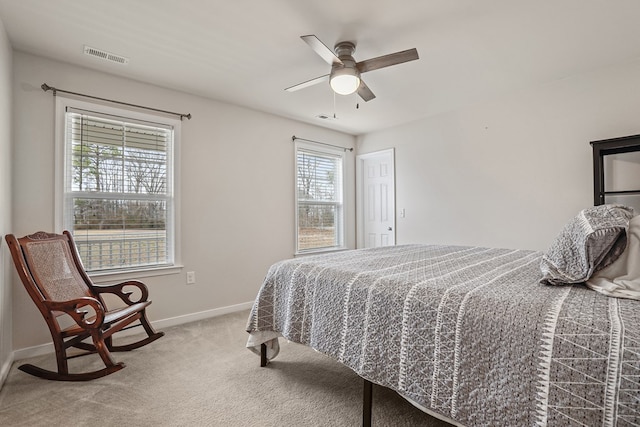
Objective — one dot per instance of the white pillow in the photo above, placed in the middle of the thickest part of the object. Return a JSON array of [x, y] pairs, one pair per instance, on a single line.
[[622, 278]]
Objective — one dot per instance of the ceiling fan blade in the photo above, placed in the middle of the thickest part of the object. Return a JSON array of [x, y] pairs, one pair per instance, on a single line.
[[321, 49], [308, 83], [364, 92], [387, 60]]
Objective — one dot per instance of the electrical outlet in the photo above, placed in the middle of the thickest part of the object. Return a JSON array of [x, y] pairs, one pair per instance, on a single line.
[[191, 277]]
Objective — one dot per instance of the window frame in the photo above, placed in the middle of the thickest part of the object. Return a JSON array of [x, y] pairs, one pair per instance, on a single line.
[[341, 224], [173, 223]]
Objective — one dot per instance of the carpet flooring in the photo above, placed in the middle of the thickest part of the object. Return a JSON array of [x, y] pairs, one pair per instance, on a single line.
[[201, 374]]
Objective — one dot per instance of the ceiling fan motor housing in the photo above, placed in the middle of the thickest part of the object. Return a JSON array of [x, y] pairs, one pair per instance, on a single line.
[[345, 49]]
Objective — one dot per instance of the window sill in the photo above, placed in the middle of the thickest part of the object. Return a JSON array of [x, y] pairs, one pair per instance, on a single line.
[[320, 251], [119, 276]]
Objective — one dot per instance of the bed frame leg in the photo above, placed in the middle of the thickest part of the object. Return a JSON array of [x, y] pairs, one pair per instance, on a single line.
[[367, 397], [263, 355]]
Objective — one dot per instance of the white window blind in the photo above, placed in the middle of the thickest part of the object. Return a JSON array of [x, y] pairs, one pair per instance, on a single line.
[[319, 199], [118, 190]]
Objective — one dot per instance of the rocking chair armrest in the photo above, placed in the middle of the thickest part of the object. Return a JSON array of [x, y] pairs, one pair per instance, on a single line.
[[73, 309], [118, 289]]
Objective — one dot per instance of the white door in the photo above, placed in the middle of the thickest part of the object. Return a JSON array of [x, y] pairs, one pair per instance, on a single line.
[[376, 199]]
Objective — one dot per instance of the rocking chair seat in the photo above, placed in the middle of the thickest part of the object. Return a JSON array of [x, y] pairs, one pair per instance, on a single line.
[[52, 273], [110, 317]]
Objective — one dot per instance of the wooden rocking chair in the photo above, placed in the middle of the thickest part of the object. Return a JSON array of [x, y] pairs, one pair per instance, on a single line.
[[52, 272]]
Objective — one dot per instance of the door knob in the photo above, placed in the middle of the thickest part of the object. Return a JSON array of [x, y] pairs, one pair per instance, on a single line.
[[390, 228]]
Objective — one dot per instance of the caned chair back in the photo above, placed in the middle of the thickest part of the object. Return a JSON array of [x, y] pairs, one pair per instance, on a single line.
[[54, 270], [50, 268]]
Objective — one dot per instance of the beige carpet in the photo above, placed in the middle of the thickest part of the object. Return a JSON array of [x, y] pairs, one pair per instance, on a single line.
[[200, 374]]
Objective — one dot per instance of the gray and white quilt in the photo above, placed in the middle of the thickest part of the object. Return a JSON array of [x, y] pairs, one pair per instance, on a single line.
[[469, 333]]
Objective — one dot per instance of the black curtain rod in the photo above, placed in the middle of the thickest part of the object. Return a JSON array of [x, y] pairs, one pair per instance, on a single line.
[[46, 88], [293, 138]]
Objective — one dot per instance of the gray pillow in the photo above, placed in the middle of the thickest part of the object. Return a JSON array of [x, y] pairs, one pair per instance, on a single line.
[[592, 240]]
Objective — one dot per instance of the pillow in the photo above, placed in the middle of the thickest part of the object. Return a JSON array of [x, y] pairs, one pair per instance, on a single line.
[[622, 278], [592, 240]]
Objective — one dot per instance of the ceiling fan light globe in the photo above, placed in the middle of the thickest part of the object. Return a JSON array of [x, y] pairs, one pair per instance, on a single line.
[[345, 84]]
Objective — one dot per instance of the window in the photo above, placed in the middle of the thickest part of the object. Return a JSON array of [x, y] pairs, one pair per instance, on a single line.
[[117, 184], [319, 199]]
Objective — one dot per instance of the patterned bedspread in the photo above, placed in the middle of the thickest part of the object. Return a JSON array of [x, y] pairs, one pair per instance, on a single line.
[[466, 332]]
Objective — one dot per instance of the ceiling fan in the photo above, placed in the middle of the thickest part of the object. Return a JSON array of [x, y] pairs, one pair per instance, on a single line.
[[345, 71]]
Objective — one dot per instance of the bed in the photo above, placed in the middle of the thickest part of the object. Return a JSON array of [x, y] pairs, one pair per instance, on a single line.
[[475, 336]]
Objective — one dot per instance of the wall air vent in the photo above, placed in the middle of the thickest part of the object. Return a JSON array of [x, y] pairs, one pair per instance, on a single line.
[[99, 53]]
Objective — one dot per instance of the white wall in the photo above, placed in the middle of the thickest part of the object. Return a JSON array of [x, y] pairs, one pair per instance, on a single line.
[[237, 188], [511, 172], [6, 59]]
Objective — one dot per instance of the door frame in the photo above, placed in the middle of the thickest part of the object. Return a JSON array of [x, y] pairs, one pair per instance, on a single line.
[[360, 210]]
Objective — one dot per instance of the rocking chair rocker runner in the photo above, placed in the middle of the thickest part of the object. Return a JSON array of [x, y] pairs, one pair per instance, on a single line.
[[52, 272]]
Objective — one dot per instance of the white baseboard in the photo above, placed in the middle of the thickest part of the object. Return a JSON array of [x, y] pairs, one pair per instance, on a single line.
[[4, 371], [193, 317], [39, 350]]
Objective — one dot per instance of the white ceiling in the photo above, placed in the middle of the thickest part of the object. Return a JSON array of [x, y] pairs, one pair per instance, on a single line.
[[247, 51]]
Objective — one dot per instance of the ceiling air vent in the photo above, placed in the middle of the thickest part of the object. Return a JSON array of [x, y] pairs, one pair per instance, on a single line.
[[326, 116], [98, 53]]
